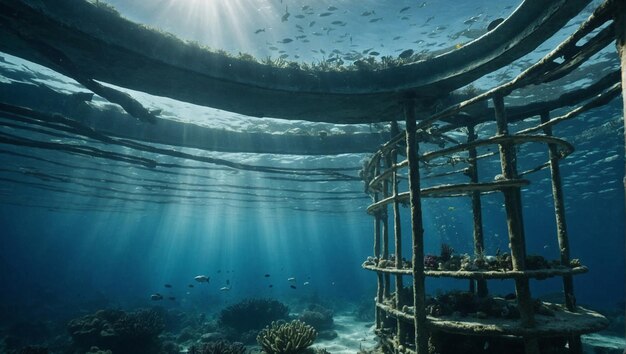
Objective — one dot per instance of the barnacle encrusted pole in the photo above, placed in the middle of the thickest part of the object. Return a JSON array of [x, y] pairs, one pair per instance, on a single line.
[[417, 229], [397, 232], [575, 344], [385, 240], [512, 204], [377, 251], [477, 214], [559, 211]]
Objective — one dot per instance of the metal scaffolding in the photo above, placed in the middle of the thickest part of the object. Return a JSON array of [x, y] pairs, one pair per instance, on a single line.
[[533, 327]]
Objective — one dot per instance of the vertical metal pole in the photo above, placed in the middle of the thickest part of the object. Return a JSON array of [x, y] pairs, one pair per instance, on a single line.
[[575, 345], [377, 247], [620, 34], [385, 229], [476, 208], [512, 204], [417, 230], [397, 229], [559, 212]]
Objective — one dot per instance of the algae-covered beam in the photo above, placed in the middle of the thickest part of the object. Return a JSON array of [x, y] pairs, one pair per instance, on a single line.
[[477, 214], [417, 229], [110, 49], [397, 232], [517, 244], [385, 235], [113, 122], [575, 344]]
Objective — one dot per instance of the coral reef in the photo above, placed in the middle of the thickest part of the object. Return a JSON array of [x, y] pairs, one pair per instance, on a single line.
[[252, 314], [286, 338], [462, 304], [317, 316], [118, 331], [218, 347], [448, 261]]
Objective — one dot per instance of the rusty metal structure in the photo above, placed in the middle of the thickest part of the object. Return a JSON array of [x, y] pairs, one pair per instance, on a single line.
[[403, 320]]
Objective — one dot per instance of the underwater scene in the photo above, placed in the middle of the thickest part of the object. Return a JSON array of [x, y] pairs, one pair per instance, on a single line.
[[298, 176]]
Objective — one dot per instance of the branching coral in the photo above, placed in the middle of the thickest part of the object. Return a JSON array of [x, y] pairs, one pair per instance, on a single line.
[[287, 338]]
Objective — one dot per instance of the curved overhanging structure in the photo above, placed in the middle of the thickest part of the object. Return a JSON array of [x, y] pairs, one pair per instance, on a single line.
[[88, 43]]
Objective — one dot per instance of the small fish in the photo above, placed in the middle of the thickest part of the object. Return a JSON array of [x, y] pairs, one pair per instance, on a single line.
[[259, 30], [406, 54], [190, 285], [374, 54], [292, 279], [338, 23], [285, 17], [376, 19], [305, 7], [306, 283], [292, 286], [301, 36], [271, 286], [299, 16], [405, 9], [156, 297], [286, 40], [172, 298], [368, 13], [311, 23], [225, 288], [469, 21], [299, 27], [331, 8], [267, 275], [273, 48], [202, 279], [396, 38], [324, 14], [168, 286]]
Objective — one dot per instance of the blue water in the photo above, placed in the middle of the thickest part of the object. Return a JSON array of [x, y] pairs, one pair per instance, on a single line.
[[97, 234]]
